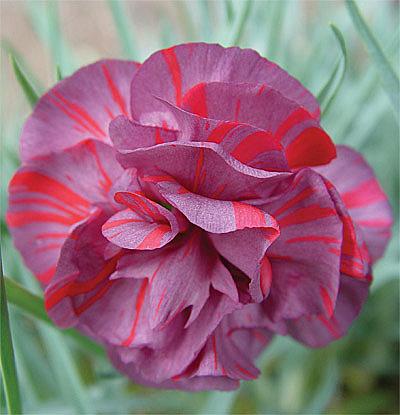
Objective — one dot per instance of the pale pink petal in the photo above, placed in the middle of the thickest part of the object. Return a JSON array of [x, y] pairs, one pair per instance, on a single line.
[[171, 74], [305, 259], [143, 225], [78, 107], [319, 330], [52, 194], [363, 196], [129, 135]]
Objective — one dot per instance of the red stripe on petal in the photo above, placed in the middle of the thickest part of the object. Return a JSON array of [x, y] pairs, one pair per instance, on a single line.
[[265, 276], [307, 214], [175, 70], [115, 93], [46, 276], [365, 194], [196, 100], [248, 216], [312, 147], [138, 308], [254, 145], [154, 238], [304, 194], [296, 117], [218, 134], [81, 287], [39, 183]]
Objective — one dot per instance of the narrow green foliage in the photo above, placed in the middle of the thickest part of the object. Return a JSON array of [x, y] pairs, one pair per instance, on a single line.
[[33, 305], [7, 360], [24, 82], [277, 9], [390, 79], [240, 22], [123, 26], [59, 76], [325, 97]]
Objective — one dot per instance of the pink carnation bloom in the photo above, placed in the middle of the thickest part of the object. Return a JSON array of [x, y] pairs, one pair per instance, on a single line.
[[183, 211]]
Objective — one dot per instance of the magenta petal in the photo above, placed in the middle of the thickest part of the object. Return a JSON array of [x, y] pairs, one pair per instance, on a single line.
[[202, 168], [363, 196], [305, 259], [318, 331], [130, 135], [171, 291], [213, 215], [250, 145], [172, 73], [79, 107], [144, 225], [158, 365], [52, 194]]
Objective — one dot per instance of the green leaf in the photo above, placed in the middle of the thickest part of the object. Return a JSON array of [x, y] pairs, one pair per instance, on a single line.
[[123, 26], [59, 76], [240, 22], [34, 306], [390, 79], [24, 82], [7, 359], [336, 79]]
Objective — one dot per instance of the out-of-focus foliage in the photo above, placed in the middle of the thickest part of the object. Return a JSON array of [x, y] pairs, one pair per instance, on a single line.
[[358, 374]]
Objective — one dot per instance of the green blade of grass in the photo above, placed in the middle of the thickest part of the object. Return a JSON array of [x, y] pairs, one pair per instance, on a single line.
[[34, 306], [240, 22], [7, 359], [27, 87], [59, 75], [123, 25], [335, 80], [390, 79]]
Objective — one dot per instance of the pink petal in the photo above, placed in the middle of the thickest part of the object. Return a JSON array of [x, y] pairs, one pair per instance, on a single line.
[[171, 291], [250, 145], [144, 225], [130, 135], [54, 193], [280, 120], [79, 107], [202, 168], [172, 73], [305, 259], [363, 196], [318, 330]]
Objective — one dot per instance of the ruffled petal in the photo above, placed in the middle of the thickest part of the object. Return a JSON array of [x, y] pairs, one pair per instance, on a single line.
[[202, 168], [52, 194], [79, 107], [281, 121], [171, 74], [363, 196], [305, 259], [318, 330], [180, 276], [129, 135], [144, 225]]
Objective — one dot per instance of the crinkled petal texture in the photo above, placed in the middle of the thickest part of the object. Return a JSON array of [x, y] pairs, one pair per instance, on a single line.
[[183, 212], [79, 107]]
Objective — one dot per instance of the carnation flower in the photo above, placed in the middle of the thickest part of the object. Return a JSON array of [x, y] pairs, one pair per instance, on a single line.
[[183, 211]]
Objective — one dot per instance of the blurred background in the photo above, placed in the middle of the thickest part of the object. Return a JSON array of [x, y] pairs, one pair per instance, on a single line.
[[356, 375]]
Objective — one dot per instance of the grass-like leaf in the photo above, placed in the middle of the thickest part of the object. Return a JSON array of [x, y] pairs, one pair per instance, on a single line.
[[33, 305], [390, 79], [7, 359], [123, 26], [59, 75], [29, 91], [335, 81], [240, 22]]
